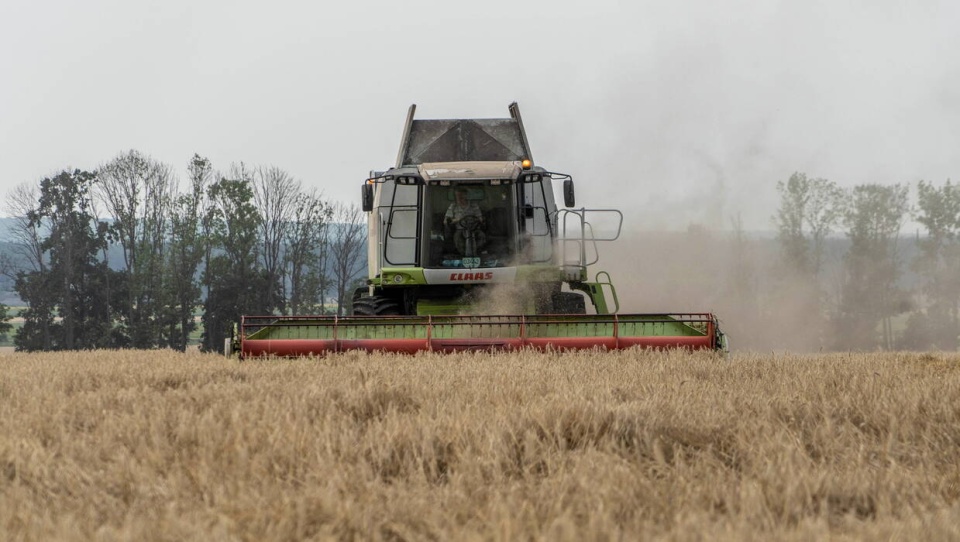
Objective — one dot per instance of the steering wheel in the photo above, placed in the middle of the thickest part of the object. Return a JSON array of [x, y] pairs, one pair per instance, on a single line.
[[469, 223]]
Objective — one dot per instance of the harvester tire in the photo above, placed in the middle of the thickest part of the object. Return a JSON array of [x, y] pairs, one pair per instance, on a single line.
[[376, 305]]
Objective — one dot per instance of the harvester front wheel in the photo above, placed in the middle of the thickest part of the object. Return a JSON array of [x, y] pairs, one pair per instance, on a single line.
[[376, 305]]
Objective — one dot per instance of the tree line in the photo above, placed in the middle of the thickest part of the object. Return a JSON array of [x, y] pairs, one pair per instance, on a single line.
[[840, 274], [866, 304], [862, 268], [251, 240]]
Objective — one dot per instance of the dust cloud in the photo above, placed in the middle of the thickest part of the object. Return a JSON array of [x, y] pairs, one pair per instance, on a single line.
[[734, 275], [502, 299]]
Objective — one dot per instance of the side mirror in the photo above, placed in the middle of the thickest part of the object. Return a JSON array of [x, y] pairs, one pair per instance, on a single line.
[[528, 211], [367, 197], [569, 200]]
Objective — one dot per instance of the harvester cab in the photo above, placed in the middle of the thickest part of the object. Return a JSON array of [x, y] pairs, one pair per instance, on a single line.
[[464, 213], [468, 249]]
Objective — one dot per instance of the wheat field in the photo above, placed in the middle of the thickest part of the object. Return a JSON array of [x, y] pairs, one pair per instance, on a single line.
[[555, 446]]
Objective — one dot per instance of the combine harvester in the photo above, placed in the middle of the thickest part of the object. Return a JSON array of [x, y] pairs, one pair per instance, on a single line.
[[468, 250]]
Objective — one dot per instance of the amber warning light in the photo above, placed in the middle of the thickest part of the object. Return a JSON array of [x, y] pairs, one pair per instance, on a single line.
[[526, 163]]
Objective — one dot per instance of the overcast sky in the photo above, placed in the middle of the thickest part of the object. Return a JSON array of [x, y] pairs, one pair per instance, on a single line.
[[681, 112]]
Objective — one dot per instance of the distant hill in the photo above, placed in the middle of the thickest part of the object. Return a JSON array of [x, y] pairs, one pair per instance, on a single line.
[[6, 225]]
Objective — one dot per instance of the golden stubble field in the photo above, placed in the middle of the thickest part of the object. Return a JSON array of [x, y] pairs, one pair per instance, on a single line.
[[588, 446]]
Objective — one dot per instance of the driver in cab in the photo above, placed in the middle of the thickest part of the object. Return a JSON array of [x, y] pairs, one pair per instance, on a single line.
[[465, 216]]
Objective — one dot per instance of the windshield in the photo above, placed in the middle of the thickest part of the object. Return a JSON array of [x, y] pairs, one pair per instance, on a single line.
[[469, 224]]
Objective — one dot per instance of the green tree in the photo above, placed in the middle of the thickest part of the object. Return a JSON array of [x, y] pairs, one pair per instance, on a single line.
[[37, 290], [306, 251], [235, 282], [75, 283], [275, 195], [938, 264], [138, 193], [809, 210], [29, 256], [873, 217], [187, 247], [5, 325]]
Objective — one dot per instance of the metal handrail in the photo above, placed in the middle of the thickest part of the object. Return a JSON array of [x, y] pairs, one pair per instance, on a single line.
[[586, 233]]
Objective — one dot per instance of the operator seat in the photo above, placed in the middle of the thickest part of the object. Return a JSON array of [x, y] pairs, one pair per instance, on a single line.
[[498, 230]]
